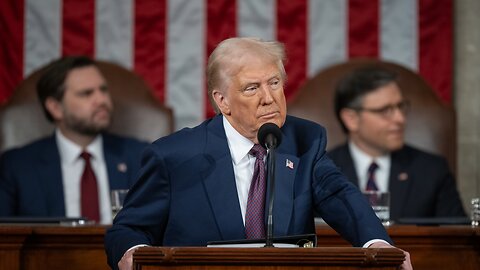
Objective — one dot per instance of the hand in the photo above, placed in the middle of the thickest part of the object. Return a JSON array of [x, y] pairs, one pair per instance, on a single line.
[[126, 263], [406, 265]]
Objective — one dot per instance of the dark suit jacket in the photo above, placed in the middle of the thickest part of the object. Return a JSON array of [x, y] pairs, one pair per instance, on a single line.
[[186, 194], [31, 176], [429, 188]]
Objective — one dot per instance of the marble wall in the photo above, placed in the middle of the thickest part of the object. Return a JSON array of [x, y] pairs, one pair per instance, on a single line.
[[467, 96]]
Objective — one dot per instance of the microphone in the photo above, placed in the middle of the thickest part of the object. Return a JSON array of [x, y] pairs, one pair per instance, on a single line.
[[270, 136]]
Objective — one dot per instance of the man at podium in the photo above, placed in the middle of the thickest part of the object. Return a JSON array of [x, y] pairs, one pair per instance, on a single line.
[[207, 183]]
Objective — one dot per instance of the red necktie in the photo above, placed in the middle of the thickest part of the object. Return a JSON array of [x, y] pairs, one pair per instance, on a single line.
[[371, 184], [89, 191], [255, 214]]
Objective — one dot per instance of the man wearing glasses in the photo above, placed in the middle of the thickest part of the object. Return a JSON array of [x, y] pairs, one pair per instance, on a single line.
[[372, 111]]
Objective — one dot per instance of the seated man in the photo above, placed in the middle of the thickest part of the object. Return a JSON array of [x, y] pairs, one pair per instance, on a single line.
[[371, 109], [208, 183], [71, 173]]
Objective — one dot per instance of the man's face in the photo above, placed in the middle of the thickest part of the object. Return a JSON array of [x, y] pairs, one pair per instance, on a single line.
[[378, 127], [86, 107], [254, 96]]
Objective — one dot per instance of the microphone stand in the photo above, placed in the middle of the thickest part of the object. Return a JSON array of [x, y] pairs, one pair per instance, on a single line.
[[271, 185]]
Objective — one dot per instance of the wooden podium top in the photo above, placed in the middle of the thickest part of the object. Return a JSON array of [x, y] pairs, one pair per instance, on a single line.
[[275, 258]]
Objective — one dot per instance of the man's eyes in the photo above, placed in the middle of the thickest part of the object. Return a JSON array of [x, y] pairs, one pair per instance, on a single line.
[[274, 84], [85, 93], [251, 88], [104, 88]]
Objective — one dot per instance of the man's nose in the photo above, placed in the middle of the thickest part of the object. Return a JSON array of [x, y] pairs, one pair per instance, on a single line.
[[267, 96], [399, 115], [102, 97]]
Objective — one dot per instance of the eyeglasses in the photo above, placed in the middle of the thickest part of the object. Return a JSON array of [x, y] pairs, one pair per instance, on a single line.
[[389, 110]]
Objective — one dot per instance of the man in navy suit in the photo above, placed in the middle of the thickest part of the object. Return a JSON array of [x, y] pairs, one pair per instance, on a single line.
[[194, 185], [42, 179], [371, 109]]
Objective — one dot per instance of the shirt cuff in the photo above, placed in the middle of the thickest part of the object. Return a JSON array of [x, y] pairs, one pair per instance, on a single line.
[[134, 247], [369, 243]]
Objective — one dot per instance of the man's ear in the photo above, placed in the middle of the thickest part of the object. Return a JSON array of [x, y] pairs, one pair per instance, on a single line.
[[54, 107], [350, 119], [222, 101]]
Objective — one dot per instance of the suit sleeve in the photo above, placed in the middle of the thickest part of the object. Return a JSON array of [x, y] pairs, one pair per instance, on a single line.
[[144, 216], [341, 204]]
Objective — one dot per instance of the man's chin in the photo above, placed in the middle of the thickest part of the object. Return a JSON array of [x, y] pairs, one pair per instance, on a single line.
[[275, 120], [396, 146], [93, 130]]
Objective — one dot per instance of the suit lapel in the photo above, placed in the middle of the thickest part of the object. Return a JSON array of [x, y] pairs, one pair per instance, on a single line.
[[219, 182], [346, 164], [285, 168], [115, 162], [50, 175], [399, 185]]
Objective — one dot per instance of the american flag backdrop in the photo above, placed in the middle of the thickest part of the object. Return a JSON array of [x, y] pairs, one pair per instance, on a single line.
[[167, 42]]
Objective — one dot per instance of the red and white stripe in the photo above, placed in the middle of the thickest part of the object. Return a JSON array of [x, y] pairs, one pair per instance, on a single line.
[[167, 42]]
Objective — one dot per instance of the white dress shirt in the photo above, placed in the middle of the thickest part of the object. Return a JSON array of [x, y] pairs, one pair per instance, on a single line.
[[243, 163], [72, 169], [362, 161]]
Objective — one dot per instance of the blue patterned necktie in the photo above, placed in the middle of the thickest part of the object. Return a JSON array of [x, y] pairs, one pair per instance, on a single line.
[[255, 214]]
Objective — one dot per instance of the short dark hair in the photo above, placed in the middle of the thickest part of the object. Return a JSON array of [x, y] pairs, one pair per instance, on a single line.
[[52, 81], [352, 88]]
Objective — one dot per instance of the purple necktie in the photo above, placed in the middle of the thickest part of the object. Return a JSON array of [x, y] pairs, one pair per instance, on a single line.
[[255, 215], [371, 184], [89, 191]]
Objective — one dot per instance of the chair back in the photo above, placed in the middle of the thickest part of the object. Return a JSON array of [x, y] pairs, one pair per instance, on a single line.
[[431, 124], [137, 113]]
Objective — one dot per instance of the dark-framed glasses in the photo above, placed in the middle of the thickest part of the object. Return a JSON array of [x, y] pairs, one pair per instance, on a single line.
[[389, 110]]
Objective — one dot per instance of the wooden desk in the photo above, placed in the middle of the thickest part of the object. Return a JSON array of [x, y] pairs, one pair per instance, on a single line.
[[72, 248], [52, 247], [11, 242], [430, 247]]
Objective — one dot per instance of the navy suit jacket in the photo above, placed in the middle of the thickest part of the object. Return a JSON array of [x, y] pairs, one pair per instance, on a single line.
[[31, 176], [186, 194], [420, 184]]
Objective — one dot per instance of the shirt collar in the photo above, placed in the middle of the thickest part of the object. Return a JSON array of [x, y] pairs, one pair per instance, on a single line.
[[242, 144], [70, 151], [362, 160]]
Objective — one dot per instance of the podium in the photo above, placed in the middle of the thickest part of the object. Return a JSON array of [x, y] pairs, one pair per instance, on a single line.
[[38, 247], [183, 258]]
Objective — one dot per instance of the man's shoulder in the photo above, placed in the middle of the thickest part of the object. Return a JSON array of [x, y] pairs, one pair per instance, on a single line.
[[122, 146], [30, 148], [32, 153], [214, 124], [414, 153], [188, 139], [302, 136], [120, 139], [339, 149], [302, 125]]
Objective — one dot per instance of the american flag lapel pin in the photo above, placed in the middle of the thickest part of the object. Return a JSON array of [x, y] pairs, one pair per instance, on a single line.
[[122, 167], [289, 164], [403, 176]]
